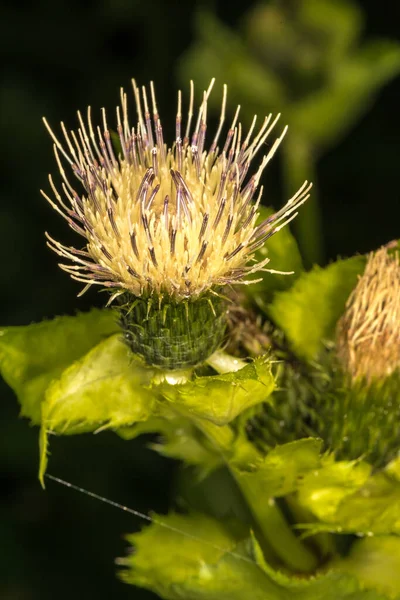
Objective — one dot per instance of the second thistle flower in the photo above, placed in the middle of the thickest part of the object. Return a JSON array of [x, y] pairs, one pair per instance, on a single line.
[[166, 229]]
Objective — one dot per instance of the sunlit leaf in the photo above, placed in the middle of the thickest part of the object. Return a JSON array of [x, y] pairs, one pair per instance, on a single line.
[[282, 469], [33, 355], [104, 389], [343, 496], [346, 501], [324, 489], [221, 398], [307, 313], [199, 558]]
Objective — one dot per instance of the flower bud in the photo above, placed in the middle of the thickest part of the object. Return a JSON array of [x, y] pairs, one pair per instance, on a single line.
[[173, 335], [368, 334]]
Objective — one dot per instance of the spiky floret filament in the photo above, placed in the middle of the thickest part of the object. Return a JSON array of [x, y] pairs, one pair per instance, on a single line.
[[167, 221], [368, 333]]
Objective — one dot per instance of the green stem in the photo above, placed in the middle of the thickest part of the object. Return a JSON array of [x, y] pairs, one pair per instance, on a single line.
[[275, 530], [298, 166], [280, 536], [273, 526]]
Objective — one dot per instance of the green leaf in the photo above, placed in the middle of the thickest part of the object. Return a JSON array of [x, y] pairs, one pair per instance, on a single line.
[[342, 495], [374, 508], [33, 355], [281, 471], [107, 388], [307, 313], [221, 398], [279, 474], [347, 501], [199, 558], [376, 562], [324, 489]]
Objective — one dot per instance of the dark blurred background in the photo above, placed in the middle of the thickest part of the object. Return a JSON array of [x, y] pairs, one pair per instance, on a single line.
[[58, 57]]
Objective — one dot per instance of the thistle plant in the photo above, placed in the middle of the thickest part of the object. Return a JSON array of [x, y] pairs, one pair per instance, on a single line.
[[277, 388], [167, 229]]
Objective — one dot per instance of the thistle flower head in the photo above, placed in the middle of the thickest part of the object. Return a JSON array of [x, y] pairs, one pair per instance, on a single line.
[[368, 334], [175, 221]]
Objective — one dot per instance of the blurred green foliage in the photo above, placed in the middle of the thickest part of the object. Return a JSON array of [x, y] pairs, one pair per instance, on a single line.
[[303, 58]]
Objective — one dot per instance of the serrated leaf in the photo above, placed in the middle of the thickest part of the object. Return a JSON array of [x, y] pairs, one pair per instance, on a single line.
[[358, 504], [281, 471], [374, 508], [221, 398], [104, 389], [32, 356], [324, 489], [307, 313], [342, 495], [197, 557]]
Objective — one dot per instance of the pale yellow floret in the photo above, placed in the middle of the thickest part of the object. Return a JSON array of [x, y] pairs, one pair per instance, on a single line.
[[176, 221], [368, 334]]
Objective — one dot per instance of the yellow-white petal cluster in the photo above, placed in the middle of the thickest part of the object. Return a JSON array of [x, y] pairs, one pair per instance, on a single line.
[[175, 221]]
